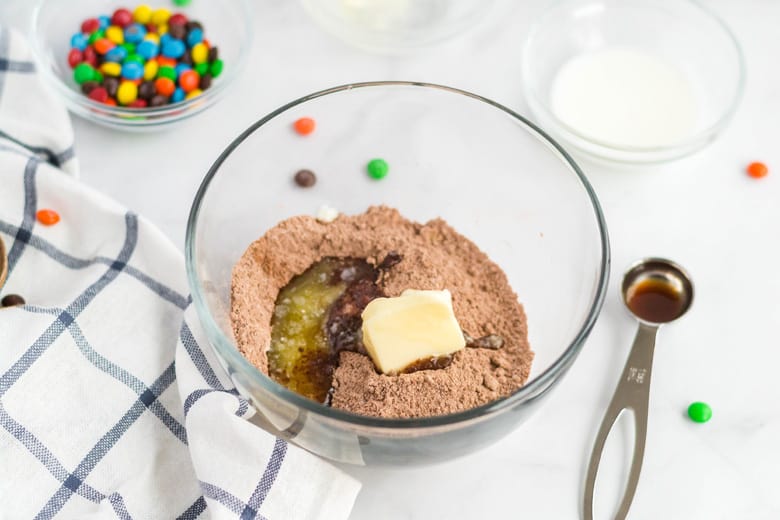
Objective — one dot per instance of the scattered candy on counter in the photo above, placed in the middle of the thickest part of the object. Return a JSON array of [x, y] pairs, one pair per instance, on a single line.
[[377, 168], [304, 125], [700, 412], [144, 58], [11, 300], [305, 178], [757, 170], [47, 217]]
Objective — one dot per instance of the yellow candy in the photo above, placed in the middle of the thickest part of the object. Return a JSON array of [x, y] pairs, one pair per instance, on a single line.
[[152, 38], [200, 53], [150, 70], [110, 68], [193, 93], [142, 14], [115, 34], [160, 16], [126, 93], [162, 29]]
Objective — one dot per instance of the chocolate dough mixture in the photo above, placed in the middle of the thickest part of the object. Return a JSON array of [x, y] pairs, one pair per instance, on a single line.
[[434, 257]]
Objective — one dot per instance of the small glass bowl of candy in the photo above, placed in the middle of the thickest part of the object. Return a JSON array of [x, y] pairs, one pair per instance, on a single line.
[[115, 42]]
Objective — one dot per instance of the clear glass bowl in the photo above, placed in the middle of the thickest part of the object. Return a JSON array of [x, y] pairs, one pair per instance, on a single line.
[[226, 25], [681, 32], [396, 26], [490, 173]]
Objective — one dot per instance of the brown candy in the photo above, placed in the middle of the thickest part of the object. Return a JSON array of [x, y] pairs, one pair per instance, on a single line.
[[146, 90], [89, 86], [193, 24], [178, 31], [11, 300], [186, 58], [213, 54], [158, 101], [205, 81], [305, 178], [111, 85]]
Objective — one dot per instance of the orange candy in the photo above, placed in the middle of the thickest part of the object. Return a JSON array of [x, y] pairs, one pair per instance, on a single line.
[[110, 102], [166, 62], [304, 125], [164, 86], [189, 80], [47, 217], [757, 170], [103, 45]]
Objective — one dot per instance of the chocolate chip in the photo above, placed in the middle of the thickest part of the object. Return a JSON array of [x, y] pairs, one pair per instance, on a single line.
[[89, 86], [305, 178], [10, 300], [158, 101], [146, 90], [213, 54], [205, 81], [491, 341], [177, 30], [111, 85], [391, 259]]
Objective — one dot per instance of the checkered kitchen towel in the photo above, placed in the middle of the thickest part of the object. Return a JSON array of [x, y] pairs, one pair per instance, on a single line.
[[109, 407]]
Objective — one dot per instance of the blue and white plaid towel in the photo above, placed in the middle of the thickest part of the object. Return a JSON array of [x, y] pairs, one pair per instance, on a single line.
[[109, 406]]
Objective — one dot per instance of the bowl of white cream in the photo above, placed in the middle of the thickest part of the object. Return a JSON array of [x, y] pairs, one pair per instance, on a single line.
[[632, 81]]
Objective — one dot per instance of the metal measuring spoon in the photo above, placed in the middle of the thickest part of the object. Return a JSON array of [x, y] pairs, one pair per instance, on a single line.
[[656, 291]]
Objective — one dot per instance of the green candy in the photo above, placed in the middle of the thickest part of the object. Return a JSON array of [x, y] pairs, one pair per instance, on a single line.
[[377, 168], [202, 68], [700, 412], [216, 68], [83, 72], [95, 36], [182, 3], [167, 72], [129, 47], [98, 76], [136, 58]]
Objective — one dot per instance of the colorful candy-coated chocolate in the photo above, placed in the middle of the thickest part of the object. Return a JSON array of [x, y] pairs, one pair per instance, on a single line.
[[111, 68], [115, 34], [177, 19], [189, 80], [78, 41], [134, 33], [165, 86], [200, 53], [173, 48], [193, 93], [104, 20], [202, 68], [142, 14], [90, 56], [700, 412], [47, 217], [95, 36], [90, 25], [137, 58], [138, 103], [127, 92], [83, 72], [160, 16], [98, 94], [148, 49], [181, 68], [103, 45], [167, 72], [377, 168], [129, 47], [122, 18], [117, 54], [178, 95], [150, 70], [132, 71], [216, 68], [182, 3], [75, 57], [304, 125], [194, 37]]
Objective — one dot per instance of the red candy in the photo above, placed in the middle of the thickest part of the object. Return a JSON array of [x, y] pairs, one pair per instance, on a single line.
[[90, 25], [189, 80], [138, 103], [98, 94], [122, 18], [177, 19], [90, 56], [75, 57]]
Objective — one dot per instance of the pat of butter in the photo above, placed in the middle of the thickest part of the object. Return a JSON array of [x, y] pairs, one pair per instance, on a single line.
[[416, 325]]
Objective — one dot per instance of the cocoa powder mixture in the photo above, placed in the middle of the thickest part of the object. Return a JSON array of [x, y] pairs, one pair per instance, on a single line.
[[435, 256]]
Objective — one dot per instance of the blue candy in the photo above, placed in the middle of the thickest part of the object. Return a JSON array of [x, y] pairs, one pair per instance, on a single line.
[[147, 49], [105, 21], [116, 54], [178, 95], [165, 38], [181, 67], [132, 70], [79, 41], [173, 48], [134, 33], [194, 37]]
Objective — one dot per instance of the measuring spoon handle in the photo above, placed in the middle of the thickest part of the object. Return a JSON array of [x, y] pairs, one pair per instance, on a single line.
[[632, 393]]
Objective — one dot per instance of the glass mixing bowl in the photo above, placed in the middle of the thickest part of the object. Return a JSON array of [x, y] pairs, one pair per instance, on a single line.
[[682, 33], [486, 170], [226, 25]]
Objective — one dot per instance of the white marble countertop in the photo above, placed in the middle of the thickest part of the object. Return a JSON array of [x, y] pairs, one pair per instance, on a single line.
[[703, 212]]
